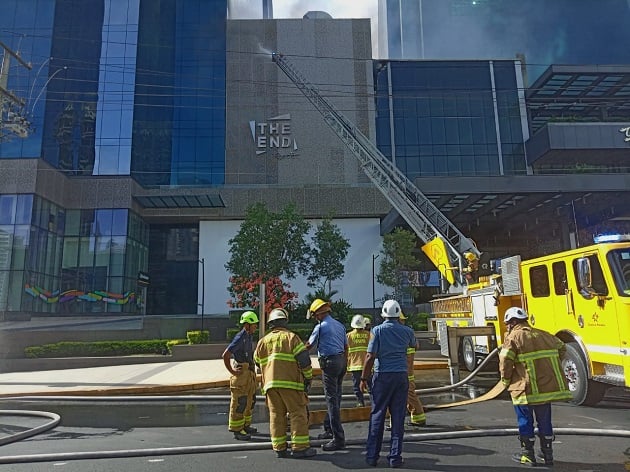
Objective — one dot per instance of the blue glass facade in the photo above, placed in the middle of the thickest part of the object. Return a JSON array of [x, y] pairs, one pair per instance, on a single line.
[[545, 32], [450, 118], [179, 113], [117, 88]]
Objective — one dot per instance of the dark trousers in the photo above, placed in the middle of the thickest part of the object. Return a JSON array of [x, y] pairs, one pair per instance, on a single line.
[[525, 415], [356, 382], [332, 376], [389, 392]]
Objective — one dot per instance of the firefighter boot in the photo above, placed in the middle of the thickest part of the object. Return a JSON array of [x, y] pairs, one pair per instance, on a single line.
[[546, 451], [527, 455]]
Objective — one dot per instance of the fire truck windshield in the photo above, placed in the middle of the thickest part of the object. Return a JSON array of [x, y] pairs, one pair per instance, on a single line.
[[619, 260]]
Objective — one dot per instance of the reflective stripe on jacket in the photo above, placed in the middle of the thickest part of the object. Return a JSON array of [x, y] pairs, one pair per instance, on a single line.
[[277, 354], [530, 366], [358, 340]]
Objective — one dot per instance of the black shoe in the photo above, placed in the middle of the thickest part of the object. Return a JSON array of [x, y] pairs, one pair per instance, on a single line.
[[242, 436], [333, 446], [371, 462], [282, 454], [417, 425], [304, 453], [325, 435], [250, 430], [397, 465]]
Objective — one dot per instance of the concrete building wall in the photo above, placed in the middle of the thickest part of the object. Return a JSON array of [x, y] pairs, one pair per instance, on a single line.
[[335, 56]]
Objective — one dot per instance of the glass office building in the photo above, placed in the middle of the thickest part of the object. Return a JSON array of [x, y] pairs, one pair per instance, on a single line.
[[544, 32], [127, 88], [442, 118]]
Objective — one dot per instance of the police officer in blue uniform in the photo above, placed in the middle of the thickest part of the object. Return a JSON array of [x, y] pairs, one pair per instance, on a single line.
[[387, 354]]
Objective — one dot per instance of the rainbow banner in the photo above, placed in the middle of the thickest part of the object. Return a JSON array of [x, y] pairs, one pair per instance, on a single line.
[[69, 295]]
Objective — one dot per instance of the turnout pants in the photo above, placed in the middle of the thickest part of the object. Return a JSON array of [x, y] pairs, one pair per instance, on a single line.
[[242, 398], [283, 401], [414, 405]]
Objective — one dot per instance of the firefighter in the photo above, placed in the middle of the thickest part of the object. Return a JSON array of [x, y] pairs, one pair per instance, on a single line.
[[286, 378], [329, 335], [243, 378], [358, 340], [531, 369], [387, 353], [417, 418]]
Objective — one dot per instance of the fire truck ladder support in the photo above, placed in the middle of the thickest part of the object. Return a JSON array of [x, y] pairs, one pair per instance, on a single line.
[[425, 219]]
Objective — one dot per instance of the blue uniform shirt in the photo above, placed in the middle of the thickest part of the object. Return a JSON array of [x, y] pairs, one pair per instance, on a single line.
[[241, 347], [389, 343], [329, 336]]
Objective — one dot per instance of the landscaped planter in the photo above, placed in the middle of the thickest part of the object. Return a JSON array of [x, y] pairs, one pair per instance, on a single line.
[[193, 352]]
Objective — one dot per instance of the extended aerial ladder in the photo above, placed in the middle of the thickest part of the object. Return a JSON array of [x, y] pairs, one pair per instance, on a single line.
[[423, 217]]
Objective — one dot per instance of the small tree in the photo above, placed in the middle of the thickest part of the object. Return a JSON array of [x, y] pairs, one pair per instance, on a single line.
[[328, 254], [269, 243], [268, 247], [398, 254], [245, 293]]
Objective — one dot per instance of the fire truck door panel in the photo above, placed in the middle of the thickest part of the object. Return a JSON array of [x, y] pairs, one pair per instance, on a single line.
[[596, 317], [483, 311]]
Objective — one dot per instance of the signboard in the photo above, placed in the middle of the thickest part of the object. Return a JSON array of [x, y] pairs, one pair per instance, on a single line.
[[436, 252], [143, 279]]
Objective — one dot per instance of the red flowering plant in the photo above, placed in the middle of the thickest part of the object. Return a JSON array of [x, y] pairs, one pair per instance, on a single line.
[[245, 293]]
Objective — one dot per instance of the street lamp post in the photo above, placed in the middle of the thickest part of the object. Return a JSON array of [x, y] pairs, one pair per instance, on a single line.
[[202, 261], [374, 257]]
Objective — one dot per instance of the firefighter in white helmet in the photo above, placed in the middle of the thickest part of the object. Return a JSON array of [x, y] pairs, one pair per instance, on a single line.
[[358, 340], [286, 370], [243, 379], [531, 369], [387, 353]]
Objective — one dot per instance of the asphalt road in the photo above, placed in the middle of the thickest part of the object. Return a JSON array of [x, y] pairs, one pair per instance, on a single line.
[[94, 436]]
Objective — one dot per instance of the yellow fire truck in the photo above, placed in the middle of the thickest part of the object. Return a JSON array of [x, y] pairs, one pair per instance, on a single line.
[[580, 295]]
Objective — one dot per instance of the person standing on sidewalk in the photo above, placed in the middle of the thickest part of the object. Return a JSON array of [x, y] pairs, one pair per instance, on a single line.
[[358, 340], [531, 369], [286, 371], [243, 378], [329, 335], [387, 353]]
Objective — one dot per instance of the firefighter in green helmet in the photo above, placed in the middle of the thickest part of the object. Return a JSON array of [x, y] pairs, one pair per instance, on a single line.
[[238, 358]]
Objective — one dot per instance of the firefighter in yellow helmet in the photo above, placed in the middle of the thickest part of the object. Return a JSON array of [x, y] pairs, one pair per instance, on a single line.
[[358, 340], [286, 378], [243, 379]]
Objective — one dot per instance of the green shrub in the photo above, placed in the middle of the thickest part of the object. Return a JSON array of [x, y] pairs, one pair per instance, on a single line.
[[97, 348], [198, 337], [174, 342]]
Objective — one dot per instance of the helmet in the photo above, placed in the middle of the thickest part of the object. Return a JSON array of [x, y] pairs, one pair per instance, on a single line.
[[249, 317], [367, 319], [391, 309], [358, 322], [402, 316], [278, 314], [318, 307], [514, 313]]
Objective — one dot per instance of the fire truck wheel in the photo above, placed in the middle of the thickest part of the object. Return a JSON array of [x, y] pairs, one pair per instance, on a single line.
[[585, 392], [468, 356]]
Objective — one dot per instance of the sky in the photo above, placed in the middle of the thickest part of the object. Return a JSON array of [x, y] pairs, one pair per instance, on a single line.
[[250, 9]]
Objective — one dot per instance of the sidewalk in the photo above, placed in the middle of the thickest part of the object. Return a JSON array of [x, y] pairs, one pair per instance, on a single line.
[[155, 378]]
